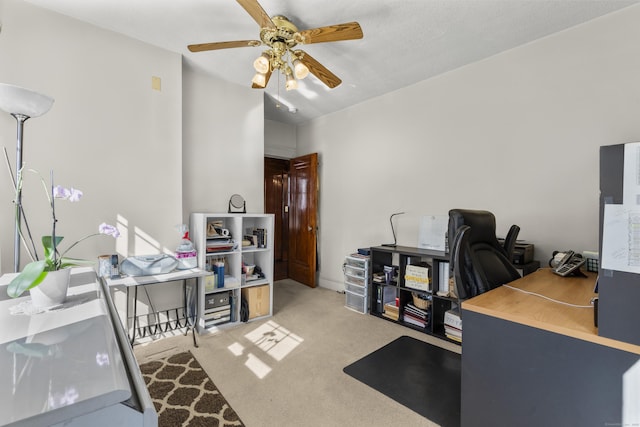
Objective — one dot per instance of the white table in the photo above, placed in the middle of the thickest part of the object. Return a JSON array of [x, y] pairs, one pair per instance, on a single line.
[[64, 365], [188, 305]]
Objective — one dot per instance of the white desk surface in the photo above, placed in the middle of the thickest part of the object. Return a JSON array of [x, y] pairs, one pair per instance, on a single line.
[[158, 278], [59, 364]]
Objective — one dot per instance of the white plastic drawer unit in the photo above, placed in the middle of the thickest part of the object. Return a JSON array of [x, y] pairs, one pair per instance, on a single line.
[[356, 276], [354, 262], [354, 271], [356, 302], [355, 289], [354, 280]]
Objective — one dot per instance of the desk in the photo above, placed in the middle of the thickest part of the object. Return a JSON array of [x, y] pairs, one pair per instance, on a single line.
[[527, 361], [68, 365], [186, 320]]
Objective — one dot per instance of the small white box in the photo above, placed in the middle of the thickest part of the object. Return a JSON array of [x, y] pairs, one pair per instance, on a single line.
[[209, 283]]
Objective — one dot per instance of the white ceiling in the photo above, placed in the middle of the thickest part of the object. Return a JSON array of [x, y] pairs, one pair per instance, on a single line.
[[405, 41]]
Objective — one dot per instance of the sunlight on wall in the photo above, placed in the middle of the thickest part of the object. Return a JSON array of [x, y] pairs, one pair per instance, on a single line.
[[271, 338], [145, 244], [153, 302], [122, 243]]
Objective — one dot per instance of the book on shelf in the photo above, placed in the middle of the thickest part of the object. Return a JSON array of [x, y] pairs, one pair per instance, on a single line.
[[378, 278], [391, 311], [219, 245], [262, 237], [214, 315], [410, 308], [260, 234], [452, 318], [453, 333], [413, 321], [416, 316], [443, 279], [454, 338], [214, 322], [391, 316], [384, 295], [358, 255], [249, 241]]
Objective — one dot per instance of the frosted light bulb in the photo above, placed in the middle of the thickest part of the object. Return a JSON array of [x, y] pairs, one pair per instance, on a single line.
[[261, 64], [291, 83], [259, 79], [299, 69]]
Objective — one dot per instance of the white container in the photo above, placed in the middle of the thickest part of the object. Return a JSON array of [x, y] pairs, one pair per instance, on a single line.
[[186, 254]]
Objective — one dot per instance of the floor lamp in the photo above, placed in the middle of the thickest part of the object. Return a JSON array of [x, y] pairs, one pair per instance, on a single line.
[[22, 104]]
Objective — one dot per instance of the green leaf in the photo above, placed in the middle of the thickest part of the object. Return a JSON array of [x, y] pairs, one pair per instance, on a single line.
[[47, 243], [66, 262], [31, 276]]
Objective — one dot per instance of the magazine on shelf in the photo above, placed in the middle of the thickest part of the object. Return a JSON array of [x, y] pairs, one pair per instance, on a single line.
[[413, 321]]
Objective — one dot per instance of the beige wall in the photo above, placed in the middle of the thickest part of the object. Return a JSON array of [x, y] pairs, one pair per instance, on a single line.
[[112, 136], [223, 128], [279, 140], [518, 134]]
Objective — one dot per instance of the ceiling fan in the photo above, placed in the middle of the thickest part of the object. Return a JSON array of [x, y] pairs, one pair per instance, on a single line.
[[281, 36]]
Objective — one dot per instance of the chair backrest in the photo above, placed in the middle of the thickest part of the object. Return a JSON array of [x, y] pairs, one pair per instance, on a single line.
[[478, 261]]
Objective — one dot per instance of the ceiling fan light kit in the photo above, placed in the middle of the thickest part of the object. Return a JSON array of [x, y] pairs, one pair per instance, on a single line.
[[280, 35], [260, 79], [261, 64], [299, 69]]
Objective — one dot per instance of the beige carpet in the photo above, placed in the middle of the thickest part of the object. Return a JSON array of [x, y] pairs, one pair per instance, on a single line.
[[184, 395], [287, 370]]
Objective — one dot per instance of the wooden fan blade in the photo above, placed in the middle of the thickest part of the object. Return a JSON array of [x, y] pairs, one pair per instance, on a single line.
[[267, 76], [332, 33], [223, 45], [320, 71], [256, 11]]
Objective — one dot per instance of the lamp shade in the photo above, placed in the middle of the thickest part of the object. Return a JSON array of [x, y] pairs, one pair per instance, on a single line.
[[18, 100]]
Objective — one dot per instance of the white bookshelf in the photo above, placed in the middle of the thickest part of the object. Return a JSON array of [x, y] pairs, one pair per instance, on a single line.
[[230, 250]]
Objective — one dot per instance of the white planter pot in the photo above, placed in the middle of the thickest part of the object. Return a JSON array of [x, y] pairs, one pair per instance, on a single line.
[[53, 289]]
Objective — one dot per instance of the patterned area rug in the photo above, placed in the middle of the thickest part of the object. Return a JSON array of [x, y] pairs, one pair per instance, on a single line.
[[184, 395]]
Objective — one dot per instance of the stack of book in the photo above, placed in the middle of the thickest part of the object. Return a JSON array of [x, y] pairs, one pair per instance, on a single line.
[[391, 311], [453, 325], [261, 234], [415, 316], [219, 244], [217, 316]]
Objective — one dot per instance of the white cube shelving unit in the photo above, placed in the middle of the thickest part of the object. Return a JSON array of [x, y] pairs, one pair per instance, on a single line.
[[220, 306]]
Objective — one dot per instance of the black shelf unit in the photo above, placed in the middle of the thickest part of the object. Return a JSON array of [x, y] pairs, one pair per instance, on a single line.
[[381, 292]]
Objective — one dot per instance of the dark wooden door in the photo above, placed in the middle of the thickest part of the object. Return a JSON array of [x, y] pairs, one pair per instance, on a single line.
[[276, 202], [303, 207]]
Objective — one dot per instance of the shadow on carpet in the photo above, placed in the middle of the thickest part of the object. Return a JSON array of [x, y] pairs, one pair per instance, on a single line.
[[420, 376], [184, 395]]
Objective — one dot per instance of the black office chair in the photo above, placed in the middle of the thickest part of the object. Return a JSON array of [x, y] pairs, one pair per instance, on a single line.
[[479, 262]]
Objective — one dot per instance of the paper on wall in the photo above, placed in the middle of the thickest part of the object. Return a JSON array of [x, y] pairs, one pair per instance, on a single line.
[[433, 229], [621, 238], [631, 174]]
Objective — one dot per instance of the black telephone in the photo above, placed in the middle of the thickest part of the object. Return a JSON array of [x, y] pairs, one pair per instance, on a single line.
[[567, 263]]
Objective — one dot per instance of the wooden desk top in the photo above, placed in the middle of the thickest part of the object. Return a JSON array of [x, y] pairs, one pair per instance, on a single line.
[[538, 312]]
